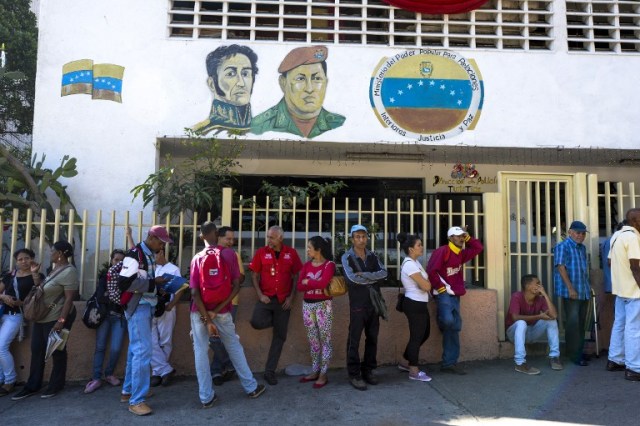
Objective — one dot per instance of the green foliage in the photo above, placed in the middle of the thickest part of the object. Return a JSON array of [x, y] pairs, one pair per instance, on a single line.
[[289, 193], [26, 183], [19, 33], [194, 184]]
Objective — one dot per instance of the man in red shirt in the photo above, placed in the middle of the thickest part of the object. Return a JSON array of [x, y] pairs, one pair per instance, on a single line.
[[275, 269], [531, 317]]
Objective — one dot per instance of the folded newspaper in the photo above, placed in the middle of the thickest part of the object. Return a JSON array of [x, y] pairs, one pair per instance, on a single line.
[[57, 341]]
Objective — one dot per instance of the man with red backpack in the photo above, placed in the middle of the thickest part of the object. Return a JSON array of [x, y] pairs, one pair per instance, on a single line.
[[446, 276], [137, 282], [214, 281]]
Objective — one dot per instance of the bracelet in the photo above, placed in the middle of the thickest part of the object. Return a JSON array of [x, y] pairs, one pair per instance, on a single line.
[[61, 320]]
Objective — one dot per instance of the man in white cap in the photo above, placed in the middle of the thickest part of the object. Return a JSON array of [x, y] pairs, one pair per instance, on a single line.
[[138, 277], [363, 272], [447, 279]]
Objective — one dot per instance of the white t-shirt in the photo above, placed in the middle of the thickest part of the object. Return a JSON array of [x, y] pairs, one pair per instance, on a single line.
[[167, 268], [411, 288], [625, 245]]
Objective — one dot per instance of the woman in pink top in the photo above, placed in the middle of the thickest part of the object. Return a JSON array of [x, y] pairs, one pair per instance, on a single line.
[[317, 311]]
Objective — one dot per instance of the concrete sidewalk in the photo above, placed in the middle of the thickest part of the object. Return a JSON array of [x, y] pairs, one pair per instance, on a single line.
[[491, 393]]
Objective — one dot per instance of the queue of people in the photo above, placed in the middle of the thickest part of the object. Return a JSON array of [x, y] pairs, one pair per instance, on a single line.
[[277, 273]]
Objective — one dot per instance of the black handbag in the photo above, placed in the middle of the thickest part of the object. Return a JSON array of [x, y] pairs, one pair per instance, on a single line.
[[400, 302]]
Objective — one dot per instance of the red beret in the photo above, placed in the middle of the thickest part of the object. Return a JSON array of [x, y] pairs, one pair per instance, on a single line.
[[303, 56]]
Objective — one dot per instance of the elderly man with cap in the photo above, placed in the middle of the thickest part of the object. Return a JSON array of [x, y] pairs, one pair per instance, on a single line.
[[363, 272], [447, 279], [138, 277], [571, 283], [303, 80]]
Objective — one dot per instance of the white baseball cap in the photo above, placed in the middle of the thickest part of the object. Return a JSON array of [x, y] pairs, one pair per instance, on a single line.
[[455, 230]]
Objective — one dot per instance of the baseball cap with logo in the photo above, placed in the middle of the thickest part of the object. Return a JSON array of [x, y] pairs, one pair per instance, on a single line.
[[455, 230], [160, 232], [356, 228]]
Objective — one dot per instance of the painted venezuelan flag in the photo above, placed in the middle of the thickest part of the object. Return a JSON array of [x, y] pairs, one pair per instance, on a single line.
[[77, 77], [430, 94], [107, 82]]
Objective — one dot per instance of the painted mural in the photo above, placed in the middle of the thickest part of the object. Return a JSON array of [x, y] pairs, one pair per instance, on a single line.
[[303, 81], [232, 72], [428, 95], [101, 81]]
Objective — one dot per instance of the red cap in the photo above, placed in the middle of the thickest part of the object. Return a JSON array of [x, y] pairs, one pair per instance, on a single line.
[[160, 232]]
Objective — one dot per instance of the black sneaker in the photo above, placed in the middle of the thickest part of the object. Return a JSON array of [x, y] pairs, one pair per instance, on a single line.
[[48, 393], [358, 383], [210, 403], [24, 393], [259, 391], [370, 377], [453, 369], [155, 381], [166, 379], [228, 375], [218, 380], [270, 377]]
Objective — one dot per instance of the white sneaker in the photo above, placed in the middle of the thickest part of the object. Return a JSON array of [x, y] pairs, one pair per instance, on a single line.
[[421, 377]]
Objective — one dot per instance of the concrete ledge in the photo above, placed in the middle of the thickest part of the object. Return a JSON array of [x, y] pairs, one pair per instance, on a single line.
[[479, 337]]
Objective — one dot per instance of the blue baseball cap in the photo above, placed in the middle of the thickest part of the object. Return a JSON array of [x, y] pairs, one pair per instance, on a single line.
[[576, 225], [356, 228]]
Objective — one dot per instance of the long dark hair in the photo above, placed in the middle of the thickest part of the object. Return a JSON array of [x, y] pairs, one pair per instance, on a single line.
[[322, 244]]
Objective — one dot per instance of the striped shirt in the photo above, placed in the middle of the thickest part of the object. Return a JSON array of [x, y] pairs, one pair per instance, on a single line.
[[574, 258]]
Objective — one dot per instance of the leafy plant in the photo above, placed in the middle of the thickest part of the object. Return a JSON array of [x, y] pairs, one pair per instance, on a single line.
[[195, 183], [28, 184]]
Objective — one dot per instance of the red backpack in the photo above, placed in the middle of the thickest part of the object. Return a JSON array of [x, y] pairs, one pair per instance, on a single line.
[[215, 279]]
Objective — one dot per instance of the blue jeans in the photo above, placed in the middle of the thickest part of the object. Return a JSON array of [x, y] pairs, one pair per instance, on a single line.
[[520, 333], [625, 334], [230, 340], [450, 324], [221, 360], [9, 328], [116, 326], [575, 316], [137, 375]]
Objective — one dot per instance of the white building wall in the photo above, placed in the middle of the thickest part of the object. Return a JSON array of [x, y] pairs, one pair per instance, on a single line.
[[532, 99]]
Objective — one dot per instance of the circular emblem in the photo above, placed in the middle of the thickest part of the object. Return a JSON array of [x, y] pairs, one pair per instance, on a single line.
[[426, 94]]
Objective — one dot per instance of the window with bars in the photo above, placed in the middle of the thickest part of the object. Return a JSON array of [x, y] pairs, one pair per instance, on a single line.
[[611, 26], [499, 24]]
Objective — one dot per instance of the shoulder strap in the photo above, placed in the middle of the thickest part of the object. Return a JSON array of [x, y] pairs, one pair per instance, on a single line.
[[614, 241]]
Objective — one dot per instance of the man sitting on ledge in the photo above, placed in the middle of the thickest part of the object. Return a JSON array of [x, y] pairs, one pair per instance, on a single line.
[[531, 315]]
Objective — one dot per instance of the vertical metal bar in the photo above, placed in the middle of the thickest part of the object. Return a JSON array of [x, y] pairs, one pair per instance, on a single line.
[[112, 230], [518, 230], [56, 226], [83, 247], [27, 228], [14, 237], [43, 235], [527, 225], [96, 257]]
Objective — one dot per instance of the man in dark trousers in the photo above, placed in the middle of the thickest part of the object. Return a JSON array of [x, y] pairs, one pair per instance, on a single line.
[[446, 276], [363, 272], [275, 268]]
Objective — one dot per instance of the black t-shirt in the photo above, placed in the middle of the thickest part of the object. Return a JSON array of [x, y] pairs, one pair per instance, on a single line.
[[25, 284]]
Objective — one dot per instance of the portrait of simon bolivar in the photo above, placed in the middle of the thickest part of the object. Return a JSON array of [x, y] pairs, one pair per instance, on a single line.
[[231, 74], [303, 81]]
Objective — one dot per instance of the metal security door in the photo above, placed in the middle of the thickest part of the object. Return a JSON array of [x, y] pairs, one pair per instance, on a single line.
[[538, 210]]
